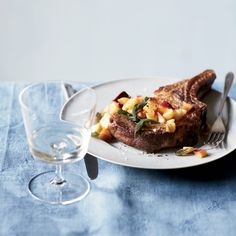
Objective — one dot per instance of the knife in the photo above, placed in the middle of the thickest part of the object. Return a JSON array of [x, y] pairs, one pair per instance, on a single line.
[[91, 162]]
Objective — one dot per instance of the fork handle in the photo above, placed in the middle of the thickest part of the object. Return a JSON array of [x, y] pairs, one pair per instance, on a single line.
[[228, 83]]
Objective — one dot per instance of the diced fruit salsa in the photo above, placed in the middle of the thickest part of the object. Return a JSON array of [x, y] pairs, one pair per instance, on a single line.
[[144, 111], [186, 151]]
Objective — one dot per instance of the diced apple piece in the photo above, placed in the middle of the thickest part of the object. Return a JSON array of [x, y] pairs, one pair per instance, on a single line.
[[187, 106], [96, 128], [123, 100], [169, 114], [179, 113], [129, 105], [105, 121], [160, 118], [201, 153], [170, 126], [105, 135], [113, 108]]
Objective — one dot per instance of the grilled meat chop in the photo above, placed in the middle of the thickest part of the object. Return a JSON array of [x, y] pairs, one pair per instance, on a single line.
[[154, 137]]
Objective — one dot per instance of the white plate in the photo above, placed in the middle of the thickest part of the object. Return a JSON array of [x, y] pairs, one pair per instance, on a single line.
[[121, 154]]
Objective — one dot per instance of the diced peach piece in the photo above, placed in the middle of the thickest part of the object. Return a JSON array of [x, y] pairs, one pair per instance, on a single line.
[[151, 106], [105, 121], [162, 109], [123, 100], [170, 126], [105, 135], [169, 114], [166, 104], [141, 114], [201, 153], [121, 95], [129, 105], [151, 115], [187, 106], [140, 99], [146, 108], [179, 113], [113, 108], [160, 118], [150, 110]]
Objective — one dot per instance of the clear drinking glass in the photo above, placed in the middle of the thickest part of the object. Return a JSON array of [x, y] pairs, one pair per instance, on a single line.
[[56, 141]]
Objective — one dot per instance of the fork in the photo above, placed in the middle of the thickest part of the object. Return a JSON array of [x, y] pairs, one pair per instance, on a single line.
[[218, 130]]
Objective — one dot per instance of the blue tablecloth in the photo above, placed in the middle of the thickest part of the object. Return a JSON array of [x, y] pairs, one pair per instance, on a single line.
[[122, 201]]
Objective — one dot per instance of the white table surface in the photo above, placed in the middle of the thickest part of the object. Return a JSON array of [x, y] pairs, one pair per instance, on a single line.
[[102, 40]]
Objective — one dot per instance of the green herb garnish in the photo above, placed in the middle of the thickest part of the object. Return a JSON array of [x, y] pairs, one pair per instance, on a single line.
[[185, 151], [136, 108], [98, 116], [94, 134], [133, 117], [143, 122], [139, 106], [123, 112]]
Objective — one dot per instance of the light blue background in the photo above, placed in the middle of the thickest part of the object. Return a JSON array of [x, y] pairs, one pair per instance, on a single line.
[[97, 40]]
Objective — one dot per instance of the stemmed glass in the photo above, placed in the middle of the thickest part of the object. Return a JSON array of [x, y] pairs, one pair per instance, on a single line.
[[56, 141]]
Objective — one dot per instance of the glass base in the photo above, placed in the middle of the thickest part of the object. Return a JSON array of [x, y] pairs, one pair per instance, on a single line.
[[73, 189]]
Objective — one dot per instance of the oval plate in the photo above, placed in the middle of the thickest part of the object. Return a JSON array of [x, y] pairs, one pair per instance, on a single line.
[[121, 154]]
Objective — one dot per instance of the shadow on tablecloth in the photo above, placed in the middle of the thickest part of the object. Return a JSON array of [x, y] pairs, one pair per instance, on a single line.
[[219, 170]]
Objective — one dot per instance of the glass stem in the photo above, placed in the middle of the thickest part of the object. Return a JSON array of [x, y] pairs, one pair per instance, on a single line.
[[58, 178]]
